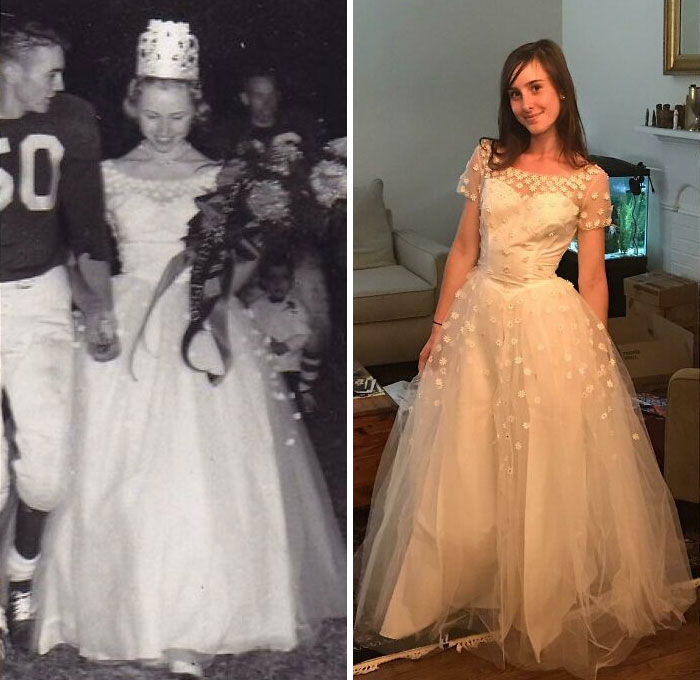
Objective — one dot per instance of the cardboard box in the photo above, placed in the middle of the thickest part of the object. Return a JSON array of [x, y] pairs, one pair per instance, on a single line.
[[653, 348], [661, 289], [673, 297], [684, 315]]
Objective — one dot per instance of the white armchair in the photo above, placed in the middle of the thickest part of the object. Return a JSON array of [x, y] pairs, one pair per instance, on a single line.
[[395, 296]]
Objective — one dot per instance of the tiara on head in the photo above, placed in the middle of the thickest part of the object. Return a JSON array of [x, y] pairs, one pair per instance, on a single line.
[[167, 49]]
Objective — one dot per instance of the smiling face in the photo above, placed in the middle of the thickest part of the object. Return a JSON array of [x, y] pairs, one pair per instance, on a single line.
[[165, 112], [534, 99], [37, 75]]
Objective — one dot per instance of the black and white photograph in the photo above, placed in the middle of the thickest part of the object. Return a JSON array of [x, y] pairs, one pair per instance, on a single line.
[[174, 375]]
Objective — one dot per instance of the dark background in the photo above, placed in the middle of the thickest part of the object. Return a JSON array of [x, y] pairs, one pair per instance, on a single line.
[[302, 41]]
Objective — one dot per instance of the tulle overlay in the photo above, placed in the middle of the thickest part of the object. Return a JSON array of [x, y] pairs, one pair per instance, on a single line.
[[519, 493], [198, 517]]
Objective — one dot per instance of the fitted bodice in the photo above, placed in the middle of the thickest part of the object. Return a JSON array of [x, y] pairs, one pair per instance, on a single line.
[[528, 219], [149, 217]]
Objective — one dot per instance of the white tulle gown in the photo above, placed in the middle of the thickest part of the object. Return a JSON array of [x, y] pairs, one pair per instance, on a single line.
[[198, 517], [519, 496]]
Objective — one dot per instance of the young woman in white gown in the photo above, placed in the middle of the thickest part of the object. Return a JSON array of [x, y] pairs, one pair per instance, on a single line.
[[198, 522], [519, 496]]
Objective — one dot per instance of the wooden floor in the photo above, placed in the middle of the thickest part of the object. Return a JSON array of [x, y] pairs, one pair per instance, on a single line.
[[670, 655]]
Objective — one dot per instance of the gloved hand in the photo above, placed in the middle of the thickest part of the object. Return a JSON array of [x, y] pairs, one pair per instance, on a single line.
[[101, 335]]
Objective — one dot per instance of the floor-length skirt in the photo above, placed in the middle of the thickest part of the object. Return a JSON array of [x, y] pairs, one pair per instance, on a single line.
[[198, 518], [519, 496]]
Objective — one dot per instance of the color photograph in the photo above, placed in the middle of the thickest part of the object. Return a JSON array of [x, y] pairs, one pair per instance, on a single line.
[[526, 257]]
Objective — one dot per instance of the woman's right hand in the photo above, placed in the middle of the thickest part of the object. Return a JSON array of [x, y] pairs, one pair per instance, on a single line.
[[428, 347]]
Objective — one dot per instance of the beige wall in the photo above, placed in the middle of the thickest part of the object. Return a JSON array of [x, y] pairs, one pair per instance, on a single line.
[[426, 88]]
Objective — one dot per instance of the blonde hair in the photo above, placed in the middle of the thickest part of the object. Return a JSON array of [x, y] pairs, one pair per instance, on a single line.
[[130, 105]]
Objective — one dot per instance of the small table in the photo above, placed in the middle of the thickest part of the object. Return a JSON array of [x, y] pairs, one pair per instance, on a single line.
[[372, 420]]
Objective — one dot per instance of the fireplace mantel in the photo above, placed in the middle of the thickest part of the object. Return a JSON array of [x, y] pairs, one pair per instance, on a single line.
[[666, 135]]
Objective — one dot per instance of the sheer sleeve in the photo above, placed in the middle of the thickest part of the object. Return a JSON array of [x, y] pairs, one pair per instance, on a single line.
[[596, 209], [470, 180]]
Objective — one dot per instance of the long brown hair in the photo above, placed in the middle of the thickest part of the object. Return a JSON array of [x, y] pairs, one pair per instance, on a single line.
[[513, 138]]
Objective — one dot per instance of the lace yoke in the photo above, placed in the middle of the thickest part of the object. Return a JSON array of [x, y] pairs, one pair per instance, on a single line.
[[118, 182], [587, 187]]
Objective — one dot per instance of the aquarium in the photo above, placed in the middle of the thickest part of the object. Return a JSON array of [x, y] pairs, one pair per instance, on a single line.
[[629, 194]]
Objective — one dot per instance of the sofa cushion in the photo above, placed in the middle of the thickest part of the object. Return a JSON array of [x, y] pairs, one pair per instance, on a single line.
[[387, 293], [372, 241]]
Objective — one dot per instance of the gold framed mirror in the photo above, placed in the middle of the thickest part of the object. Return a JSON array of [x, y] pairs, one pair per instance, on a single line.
[[681, 37]]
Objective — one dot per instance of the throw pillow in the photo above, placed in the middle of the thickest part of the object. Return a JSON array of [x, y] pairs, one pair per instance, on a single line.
[[372, 240]]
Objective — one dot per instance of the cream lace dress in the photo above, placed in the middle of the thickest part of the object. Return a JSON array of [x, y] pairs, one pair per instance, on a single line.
[[519, 496], [198, 519]]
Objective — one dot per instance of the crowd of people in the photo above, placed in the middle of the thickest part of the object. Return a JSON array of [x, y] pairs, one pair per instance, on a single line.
[[169, 503]]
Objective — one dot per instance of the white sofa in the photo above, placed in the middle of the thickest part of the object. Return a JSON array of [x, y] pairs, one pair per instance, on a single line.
[[396, 282]]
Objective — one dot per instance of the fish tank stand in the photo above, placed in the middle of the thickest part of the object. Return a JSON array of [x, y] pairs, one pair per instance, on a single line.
[[626, 237]]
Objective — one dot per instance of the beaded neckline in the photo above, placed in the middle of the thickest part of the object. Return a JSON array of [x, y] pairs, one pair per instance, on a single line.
[[520, 171], [204, 174], [485, 152], [119, 184], [577, 180], [536, 182]]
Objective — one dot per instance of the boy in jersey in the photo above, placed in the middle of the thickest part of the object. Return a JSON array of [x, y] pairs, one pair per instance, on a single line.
[[51, 204]]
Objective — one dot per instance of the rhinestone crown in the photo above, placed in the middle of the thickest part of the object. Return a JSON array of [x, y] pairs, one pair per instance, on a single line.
[[167, 49]]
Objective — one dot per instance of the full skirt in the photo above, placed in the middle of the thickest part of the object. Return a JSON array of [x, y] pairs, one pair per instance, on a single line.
[[519, 496], [197, 517]]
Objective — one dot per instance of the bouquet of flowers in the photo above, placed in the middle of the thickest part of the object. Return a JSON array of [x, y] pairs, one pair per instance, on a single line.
[[265, 195], [329, 177], [330, 185]]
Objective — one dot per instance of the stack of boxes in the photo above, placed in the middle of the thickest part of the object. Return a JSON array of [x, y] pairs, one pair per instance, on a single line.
[[659, 335], [667, 295], [662, 341]]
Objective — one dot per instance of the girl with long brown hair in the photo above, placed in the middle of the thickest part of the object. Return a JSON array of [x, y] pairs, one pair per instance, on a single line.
[[519, 503]]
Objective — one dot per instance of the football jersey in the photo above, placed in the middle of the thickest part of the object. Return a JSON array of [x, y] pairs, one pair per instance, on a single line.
[[51, 196]]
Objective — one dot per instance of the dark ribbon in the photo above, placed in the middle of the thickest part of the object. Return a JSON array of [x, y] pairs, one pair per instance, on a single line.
[[215, 309], [209, 309], [223, 227]]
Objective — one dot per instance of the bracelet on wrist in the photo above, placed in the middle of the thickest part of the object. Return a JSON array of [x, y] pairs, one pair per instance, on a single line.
[[437, 323]]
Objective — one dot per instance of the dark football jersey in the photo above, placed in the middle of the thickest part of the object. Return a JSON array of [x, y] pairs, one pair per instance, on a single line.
[[51, 195]]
